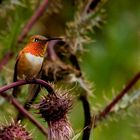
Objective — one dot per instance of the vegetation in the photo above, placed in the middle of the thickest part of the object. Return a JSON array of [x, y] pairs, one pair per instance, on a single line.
[[90, 79]]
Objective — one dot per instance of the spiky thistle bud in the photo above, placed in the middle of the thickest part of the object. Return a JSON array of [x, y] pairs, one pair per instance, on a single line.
[[53, 108], [14, 131]]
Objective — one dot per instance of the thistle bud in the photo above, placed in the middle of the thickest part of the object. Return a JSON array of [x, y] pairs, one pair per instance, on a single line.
[[14, 131], [54, 108]]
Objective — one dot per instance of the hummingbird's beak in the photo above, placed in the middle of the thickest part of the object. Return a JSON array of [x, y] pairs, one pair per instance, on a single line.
[[57, 38]]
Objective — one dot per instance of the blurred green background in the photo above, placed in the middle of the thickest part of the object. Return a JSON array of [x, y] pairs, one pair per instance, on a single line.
[[110, 62]]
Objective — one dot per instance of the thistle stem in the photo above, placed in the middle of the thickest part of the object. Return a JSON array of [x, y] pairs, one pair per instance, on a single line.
[[24, 82], [51, 52], [109, 107], [38, 13], [17, 104], [24, 112], [93, 5], [87, 115], [5, 59]]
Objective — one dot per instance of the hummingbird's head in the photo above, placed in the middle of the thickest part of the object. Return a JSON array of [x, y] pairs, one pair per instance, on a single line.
[[37, 44], [42, 40], [38, 39]]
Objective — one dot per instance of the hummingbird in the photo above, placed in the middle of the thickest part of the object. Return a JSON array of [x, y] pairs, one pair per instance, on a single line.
[[29, 61]]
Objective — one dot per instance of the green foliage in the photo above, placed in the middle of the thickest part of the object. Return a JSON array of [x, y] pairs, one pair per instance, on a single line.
[[83, 25], [109, 62], [14, 15]]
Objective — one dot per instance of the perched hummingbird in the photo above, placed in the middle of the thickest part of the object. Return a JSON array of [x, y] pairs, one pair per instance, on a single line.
[[29, 65], [30, 59]]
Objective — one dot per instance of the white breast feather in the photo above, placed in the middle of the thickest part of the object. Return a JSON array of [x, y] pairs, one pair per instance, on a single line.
[[35, 60]]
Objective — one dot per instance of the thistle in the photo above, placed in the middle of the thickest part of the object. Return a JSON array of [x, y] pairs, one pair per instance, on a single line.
[[14, 131], [54, 108]]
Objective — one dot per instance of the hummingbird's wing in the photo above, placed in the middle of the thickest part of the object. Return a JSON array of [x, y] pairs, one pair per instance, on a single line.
[[16, 90], [15, 71]]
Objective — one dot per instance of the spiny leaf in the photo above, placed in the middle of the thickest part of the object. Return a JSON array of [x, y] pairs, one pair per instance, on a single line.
[[77, 136]]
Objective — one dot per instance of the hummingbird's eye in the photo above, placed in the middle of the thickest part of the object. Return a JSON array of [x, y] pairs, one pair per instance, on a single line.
[[36, 40]]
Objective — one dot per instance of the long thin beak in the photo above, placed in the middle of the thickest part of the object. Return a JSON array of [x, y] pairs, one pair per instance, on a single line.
[[57, 38]]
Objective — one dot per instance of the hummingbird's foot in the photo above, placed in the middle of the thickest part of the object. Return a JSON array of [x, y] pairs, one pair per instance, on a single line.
[[30, 79]]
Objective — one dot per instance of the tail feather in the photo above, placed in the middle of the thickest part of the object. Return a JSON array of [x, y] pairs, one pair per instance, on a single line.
[[32, 94], [16, 91]]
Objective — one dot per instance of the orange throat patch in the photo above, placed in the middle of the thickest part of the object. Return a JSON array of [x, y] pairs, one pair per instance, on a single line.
[[36, 49]]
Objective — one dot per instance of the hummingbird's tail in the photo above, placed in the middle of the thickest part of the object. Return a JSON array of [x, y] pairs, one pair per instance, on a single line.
[[16, 91], [32, 95], [33, 91]]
